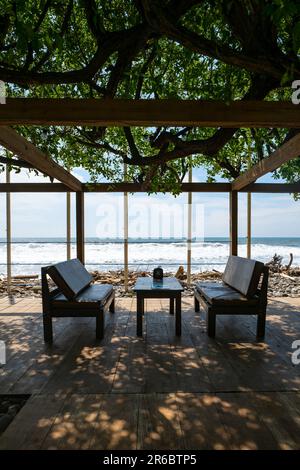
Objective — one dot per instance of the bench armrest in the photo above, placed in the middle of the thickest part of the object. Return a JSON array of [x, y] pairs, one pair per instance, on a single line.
[[47, 294], [263, 291]]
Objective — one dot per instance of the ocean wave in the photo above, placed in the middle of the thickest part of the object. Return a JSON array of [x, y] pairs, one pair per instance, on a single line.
[[28, 257]]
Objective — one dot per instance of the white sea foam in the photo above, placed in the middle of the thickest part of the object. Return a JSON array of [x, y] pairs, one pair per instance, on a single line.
[[29, 257]]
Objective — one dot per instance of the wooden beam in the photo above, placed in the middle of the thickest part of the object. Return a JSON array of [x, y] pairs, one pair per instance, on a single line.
[[118, 112], [249, 224], [287, 188], [33, 188], [80, 226], [233, 222], [68, 225], [272, 188], [125, 231], [138, 188], [189, 230], [283, 154], [8, 235], [24, 149]]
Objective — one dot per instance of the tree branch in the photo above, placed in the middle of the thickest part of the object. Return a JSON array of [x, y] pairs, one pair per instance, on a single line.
[[14, 162], [160, 19], [95, 22]]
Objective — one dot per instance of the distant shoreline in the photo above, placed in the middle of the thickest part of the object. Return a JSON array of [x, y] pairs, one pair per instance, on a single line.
[[95, 240]]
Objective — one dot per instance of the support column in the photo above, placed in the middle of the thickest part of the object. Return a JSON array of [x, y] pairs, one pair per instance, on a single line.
[[80, 225], [249, 228], [125, 234], [8, 233], [233, 222], [249, 208], [189, 231], [68, 224]]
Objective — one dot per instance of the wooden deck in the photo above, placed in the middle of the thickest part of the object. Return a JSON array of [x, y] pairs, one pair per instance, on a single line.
[[156, 392]]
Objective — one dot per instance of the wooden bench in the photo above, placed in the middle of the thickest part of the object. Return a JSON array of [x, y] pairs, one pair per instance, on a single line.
[[74, 296], [243, 291]]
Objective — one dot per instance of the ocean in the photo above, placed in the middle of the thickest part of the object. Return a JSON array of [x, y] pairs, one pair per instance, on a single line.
[[28, 255]]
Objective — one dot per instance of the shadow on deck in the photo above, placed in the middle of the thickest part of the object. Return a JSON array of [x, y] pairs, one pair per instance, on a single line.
[[156, 392]]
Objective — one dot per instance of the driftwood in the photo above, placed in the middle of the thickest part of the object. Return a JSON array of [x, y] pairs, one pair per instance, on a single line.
[[26, 276], [180, 274], [19, 277], [287, 277], [276, 266], [290, 262], [218, 272]]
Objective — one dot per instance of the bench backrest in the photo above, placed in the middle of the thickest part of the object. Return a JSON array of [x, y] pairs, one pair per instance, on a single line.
[[243, 274], [71, 277]]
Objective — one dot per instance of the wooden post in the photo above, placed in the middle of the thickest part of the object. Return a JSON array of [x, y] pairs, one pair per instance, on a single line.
[[8, 233], [249, 205], [189, 231], [249, 201], [233, 223], [125, 234], [80, 225], [68, 222]]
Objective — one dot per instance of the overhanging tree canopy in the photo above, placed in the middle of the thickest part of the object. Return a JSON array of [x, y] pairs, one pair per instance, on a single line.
[[153, 49]]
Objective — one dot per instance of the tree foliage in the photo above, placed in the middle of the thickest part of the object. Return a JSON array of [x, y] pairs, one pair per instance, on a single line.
[[217, 49]]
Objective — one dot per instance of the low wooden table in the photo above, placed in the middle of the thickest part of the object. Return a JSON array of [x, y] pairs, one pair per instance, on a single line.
[[168, 288]]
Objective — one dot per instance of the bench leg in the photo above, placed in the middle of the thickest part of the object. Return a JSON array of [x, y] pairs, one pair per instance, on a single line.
[[100, 325], [171, 306], [178, 315], [211, 323], [48, 329], [261, 324], [112, 306], [139, 315], [197, 304]]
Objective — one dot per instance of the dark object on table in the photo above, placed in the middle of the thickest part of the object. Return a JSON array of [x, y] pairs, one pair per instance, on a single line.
[[243, 291], [158, 273], [74, 296], [167, 288]]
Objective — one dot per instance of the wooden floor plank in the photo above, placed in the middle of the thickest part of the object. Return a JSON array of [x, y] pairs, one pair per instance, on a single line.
[[48, 361], [244, 426], [200, 422], [160, 369], [280, 413], [190, 370], [257, 364], [220, 372], [30, 427], [88, 367], [159, 425], [115, 426], [73, 426]]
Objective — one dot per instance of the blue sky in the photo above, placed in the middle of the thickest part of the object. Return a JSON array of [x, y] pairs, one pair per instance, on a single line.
[[44, 215]]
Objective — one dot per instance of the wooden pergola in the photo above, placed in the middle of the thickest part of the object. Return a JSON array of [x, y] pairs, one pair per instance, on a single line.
[[147, 113]]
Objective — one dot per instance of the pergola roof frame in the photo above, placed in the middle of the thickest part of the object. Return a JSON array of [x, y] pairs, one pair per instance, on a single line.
[[148, 113], [18, 145], [287, 188], [116, 112], [18, 111], [288, 151]]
